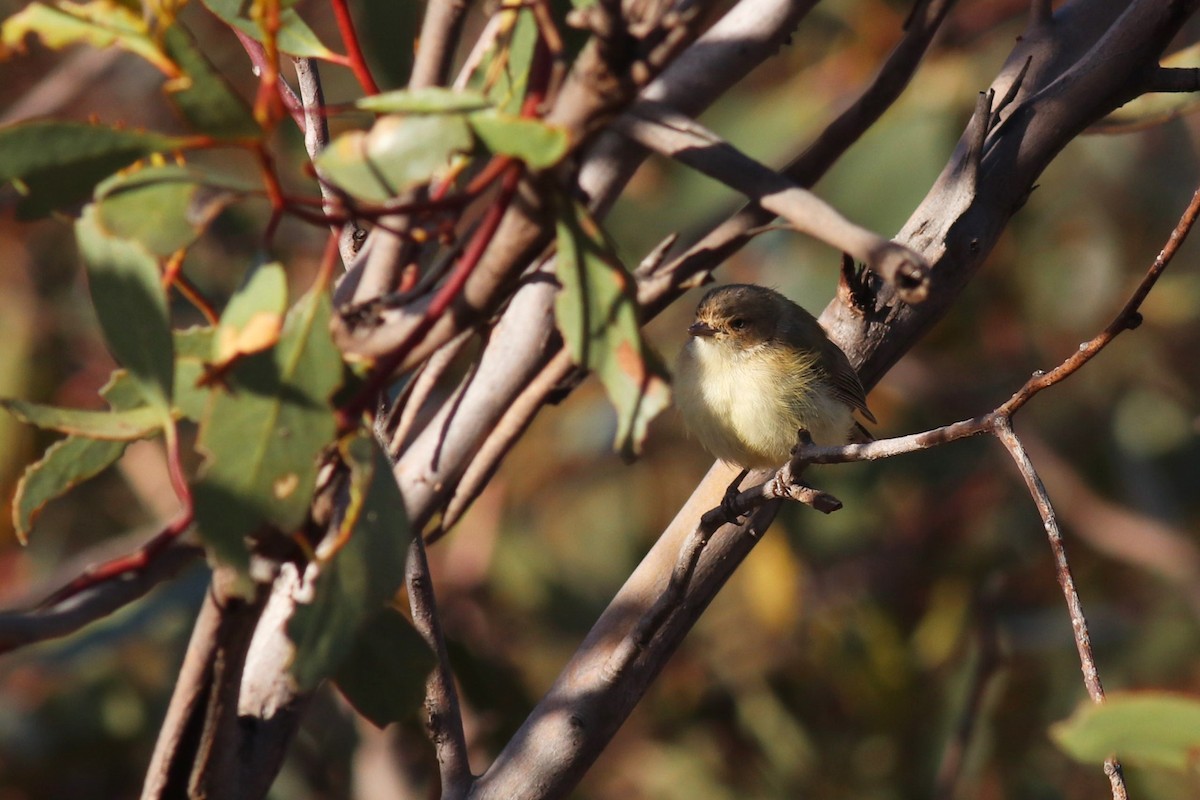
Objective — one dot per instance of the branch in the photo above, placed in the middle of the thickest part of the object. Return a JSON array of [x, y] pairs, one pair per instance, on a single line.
[[316, 138], [67, 613], [441, 698], [816, 159], [1174, 79], [596, 88], [1062, 569], [671, 134], [440, 30]]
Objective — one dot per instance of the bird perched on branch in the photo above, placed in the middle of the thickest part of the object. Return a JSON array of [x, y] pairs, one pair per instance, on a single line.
[[756, 368]]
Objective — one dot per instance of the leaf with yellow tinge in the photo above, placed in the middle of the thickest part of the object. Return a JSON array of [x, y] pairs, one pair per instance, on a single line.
[[74, 459], [253, 319], [263, 430], [399, 152], [65, 464], [357, 581], [102, 23], [597, 313], [295, 37]]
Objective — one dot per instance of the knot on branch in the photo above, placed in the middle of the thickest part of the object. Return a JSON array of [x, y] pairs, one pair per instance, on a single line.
[[904, 269]]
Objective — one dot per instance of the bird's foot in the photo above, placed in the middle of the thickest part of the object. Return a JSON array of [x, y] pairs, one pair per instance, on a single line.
[[729, 504]]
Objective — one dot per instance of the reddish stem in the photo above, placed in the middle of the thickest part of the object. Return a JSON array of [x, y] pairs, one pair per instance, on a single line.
[[441, 301], [354, 53]]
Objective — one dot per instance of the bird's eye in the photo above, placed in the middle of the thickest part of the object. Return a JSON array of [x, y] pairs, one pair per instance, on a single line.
[[737, 323]]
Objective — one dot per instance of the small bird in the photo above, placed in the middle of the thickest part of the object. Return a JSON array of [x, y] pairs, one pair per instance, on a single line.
[[756, 368]]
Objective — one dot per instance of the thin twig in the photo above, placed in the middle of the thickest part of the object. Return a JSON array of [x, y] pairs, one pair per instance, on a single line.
[[316, 139], [441, 698], [259, 64], [1062, 568]]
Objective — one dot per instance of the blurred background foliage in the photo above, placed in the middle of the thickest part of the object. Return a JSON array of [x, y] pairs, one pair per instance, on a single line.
[[841, 659]]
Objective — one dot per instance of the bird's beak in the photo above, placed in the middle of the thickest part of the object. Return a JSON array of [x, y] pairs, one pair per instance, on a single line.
[[701, 329]]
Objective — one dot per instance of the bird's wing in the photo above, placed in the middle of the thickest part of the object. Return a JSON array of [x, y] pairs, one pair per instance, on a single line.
[[846, 385]]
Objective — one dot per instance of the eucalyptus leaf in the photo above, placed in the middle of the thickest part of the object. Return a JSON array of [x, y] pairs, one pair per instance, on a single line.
[[57, 164], [99, 24], [295, 37], [537, 143], [1146, 728], [165, 208], [65, 464], [131, 303], [398, 153], [430, 100], [383, 676], [125, 426], [357, 581], [262, 431], [597, 313], [202, 95]]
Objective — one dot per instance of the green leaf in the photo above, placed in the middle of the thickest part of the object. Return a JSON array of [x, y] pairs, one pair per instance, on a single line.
[[397, 153], [132, 306], [253, 318], [598, 315], [184, 200], [356, 582], [1146, 728], [203, 95], [295, 37], [431, 100], [507, 87], [537, 144], [65, 464], [100, 24], [262, 432], [383, 675], [136, 423], [193, 349], [73, 460], [59, 163]]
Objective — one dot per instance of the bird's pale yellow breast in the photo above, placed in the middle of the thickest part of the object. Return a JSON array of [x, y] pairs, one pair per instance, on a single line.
[[745, 405]]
